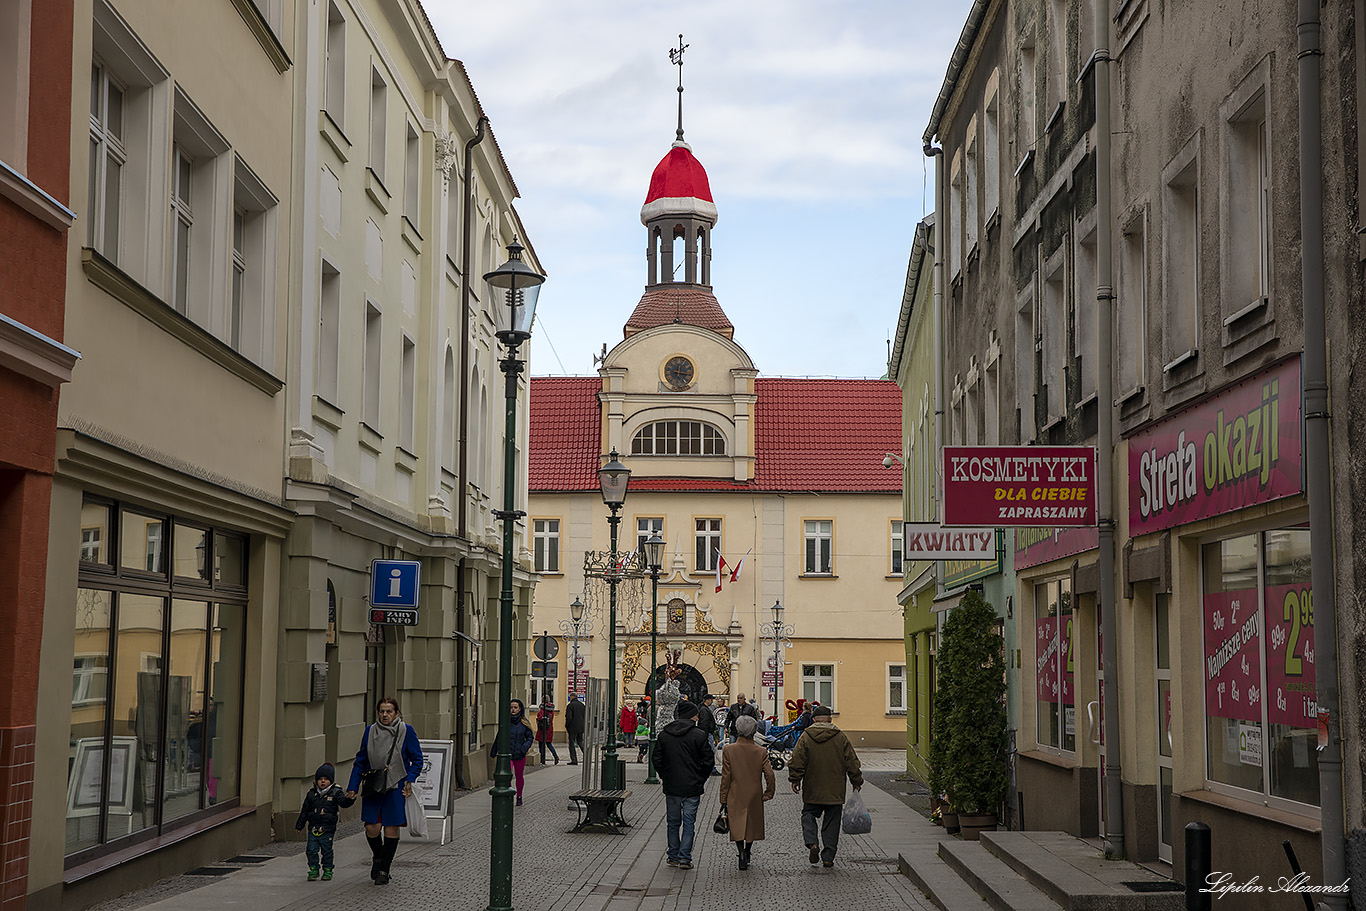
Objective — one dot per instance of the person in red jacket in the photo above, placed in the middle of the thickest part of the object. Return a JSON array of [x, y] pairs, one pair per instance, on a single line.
[[629, 723], [545, 731]]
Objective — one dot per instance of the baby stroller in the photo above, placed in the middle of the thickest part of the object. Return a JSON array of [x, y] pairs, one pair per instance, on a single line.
[[780, 741]]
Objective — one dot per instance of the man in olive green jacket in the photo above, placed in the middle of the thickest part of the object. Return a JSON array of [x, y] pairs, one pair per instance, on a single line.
[[821, 761]]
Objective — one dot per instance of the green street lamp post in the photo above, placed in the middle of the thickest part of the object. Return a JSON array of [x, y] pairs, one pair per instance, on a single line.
[[521, 285], [654, 554], [612, 479]]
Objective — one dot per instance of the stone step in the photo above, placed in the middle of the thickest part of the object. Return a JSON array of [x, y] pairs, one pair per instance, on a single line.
[[922, 865], [1077, 877], [1001, 887]]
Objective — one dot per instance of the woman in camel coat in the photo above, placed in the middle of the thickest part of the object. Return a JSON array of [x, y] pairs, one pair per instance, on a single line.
[[743, 763]]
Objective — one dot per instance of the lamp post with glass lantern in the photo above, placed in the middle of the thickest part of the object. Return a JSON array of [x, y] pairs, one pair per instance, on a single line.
[[779, 631], [521, 285], [576, 626], [612, 479], [654, 555]]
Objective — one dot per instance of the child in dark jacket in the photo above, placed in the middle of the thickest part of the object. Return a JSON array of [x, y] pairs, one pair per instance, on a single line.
[[324, 802]]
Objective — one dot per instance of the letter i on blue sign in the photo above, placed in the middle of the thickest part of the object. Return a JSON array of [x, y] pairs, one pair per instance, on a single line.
[[394, 583]]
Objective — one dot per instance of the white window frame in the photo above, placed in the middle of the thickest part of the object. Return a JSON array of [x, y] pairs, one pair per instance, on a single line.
[[379, 113], [407, 401], [1026, 337], [1027, 124], [954, 228], [821, 533], [372, 365], [1053, 336], [970, 182], [545, 533], [991, 149], [671, 437], [542, 690], [707, 540], [182, 228], [1181, 251], [1131, 305], [816, 678], [253, 316], [107, 147], [1246, 229], [892, 707], [646, 526], [412, 176], [1085, 325], [897, 546], [329, 333]]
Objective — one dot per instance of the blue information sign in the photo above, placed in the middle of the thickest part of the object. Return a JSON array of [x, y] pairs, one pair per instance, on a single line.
[[394, 583]]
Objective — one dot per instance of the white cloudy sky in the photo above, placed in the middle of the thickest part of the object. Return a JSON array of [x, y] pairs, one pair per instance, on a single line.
[[807, 115]]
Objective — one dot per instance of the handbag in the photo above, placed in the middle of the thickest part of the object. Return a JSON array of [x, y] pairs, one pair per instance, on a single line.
[[374, 783], [722, 824]]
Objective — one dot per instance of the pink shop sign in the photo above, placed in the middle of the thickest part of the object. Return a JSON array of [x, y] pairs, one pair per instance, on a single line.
[[1238, 449], [1291, 695]]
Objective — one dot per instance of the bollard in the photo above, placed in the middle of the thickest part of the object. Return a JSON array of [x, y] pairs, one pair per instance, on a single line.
[[1197, 866]]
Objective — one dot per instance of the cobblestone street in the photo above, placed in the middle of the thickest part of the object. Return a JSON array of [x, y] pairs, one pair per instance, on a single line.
[[559, 871]]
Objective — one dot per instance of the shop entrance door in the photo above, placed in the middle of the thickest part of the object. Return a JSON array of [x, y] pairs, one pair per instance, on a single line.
[[1163, 652], [1095, 720]]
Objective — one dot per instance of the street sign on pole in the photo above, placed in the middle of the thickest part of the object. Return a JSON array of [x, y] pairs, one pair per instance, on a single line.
[[394, 583], [393, 617], [546, 647], [773, 678]]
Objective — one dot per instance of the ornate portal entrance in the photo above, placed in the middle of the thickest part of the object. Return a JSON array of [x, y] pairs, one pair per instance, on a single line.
[[690, 683]]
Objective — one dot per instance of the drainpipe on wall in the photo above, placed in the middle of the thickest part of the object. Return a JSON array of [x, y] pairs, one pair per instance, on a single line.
[[462, 466], [1317, 461], [937, 312], [1105, 443]]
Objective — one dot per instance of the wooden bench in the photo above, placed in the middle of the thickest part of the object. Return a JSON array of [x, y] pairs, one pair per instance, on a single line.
[[599, 810]]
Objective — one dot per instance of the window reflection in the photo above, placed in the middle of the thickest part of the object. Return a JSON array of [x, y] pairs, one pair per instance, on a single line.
[[89, 689]]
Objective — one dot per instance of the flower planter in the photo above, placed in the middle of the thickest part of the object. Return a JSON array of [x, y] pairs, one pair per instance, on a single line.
[[970, 827], [950, 822]]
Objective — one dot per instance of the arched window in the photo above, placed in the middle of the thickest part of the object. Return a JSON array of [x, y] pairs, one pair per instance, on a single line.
[[678, 438]]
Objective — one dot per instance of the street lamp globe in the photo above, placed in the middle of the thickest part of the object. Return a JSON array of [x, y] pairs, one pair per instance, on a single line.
[[612, 479], [521, 285], [777, 613], [654, 551], [576, 610]]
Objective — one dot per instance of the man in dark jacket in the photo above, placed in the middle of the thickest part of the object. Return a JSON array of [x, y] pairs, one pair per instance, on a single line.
[[741, 707], [683, 760], [573, 726], [822, 760]]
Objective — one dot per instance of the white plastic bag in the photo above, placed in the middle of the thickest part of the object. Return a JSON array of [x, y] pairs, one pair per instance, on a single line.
[[417, 820], [856, 819]]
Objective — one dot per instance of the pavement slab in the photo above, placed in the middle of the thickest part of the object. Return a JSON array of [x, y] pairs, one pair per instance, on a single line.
[[556, 870]]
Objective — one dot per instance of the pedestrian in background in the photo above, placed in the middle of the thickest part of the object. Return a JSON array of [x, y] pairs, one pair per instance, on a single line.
[[821, 762], [642, 735], [740, 707], [520, 737], [390, 749], [545, 731], [743, 765], [319, 814], [629, 723], [706, 720], [683, 760], [574, 714]]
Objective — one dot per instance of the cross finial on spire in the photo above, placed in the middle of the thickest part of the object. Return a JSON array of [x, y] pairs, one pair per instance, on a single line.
[[676, 58]]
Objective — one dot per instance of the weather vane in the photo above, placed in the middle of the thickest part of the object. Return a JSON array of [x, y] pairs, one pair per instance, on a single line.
[[676, 58]]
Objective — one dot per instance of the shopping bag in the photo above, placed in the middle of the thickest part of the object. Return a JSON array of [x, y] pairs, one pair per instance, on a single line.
[[856, 819], [417, 819], [722, 824]]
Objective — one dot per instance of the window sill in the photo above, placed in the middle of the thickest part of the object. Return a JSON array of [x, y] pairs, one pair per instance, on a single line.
[[1055, 118], [118, 284], [1025, 162], [993, 220], [405, 460], [1129, 396], [332, 132], [818, 576], [1054, 759], [374, 188], [896, 713], [108, 861], [265, 35], [1180, 359], [895, 576], [411, 236], [370, 438], [327, 414], [1252, 808], [551, 574]]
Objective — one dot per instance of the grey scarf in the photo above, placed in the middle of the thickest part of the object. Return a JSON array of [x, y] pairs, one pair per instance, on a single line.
[[382, 740]]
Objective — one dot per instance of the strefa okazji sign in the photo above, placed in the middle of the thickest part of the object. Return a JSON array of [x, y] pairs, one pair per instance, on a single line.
[[1240, 448], [1005, 486]]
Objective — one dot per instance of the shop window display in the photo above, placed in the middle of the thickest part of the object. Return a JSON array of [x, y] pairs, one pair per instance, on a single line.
[[1055, 665]]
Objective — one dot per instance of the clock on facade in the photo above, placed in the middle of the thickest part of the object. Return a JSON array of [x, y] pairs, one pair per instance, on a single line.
[[678, 373]]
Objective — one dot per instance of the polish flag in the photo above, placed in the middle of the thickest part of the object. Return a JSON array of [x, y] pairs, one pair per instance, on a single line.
[[720, 568], [735, 573]]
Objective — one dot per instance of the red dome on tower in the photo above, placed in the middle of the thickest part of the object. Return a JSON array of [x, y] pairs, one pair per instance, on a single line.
[[679, 186]]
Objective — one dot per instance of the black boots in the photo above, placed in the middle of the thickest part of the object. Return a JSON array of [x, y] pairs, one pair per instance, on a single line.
[[376, 854], [390, 848], [743, 848], [382, 850]]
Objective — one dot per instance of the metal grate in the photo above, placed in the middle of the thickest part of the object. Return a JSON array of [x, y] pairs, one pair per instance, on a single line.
[[1162, 885], [212, 871]]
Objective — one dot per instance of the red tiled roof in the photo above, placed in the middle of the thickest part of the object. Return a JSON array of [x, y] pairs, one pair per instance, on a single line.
[[811, 435], [566, 431], [679, 175], [689, 304]]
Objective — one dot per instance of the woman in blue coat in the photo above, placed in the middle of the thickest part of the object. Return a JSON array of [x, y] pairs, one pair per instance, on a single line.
[[522, 739], [390, 743]]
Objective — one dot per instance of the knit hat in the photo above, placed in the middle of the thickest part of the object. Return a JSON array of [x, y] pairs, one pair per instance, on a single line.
[[820, 710], [686, 710], [325, 771]]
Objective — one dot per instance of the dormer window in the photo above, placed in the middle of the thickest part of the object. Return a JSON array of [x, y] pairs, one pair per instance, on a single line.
[[684, 438]]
